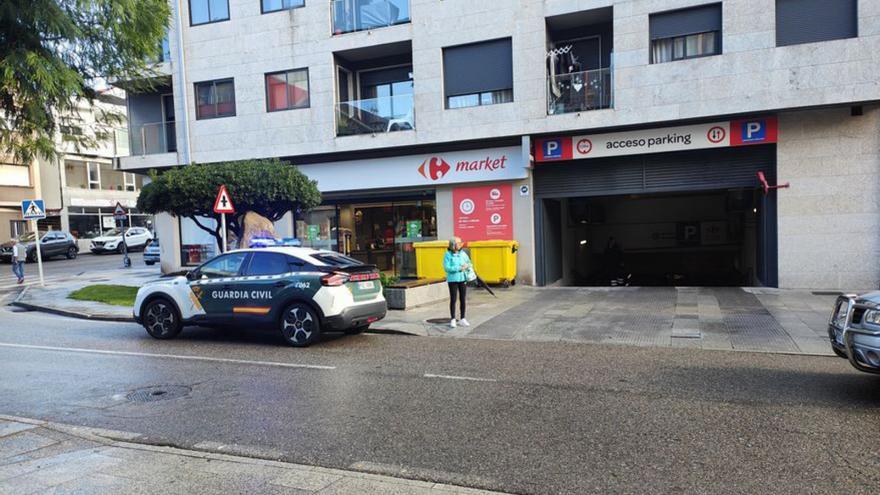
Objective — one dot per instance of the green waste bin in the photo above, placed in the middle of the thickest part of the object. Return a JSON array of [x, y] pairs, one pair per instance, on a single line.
[[495, 261], [429, 258]]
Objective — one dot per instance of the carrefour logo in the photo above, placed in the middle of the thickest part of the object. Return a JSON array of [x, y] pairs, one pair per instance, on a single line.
[[434, 168]]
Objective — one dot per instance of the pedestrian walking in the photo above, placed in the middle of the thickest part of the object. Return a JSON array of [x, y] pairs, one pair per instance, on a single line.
[[19, 255], [457, 266]]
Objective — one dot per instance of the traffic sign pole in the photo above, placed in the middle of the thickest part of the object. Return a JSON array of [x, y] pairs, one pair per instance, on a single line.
[[39, 254], [223, 230]]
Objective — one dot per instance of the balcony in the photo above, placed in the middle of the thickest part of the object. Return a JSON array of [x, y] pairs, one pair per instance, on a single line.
[[154, 138], [375, 115], [361, 15], [579, 56], [579, 91]]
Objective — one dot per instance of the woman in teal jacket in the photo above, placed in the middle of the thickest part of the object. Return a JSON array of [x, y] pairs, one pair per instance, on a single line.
[[457, 265]]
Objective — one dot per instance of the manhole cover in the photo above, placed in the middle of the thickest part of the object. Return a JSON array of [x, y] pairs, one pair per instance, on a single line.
[[152, 394]]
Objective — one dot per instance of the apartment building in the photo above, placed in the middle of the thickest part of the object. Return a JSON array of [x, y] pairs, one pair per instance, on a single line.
[[82, 186], [611, 138]]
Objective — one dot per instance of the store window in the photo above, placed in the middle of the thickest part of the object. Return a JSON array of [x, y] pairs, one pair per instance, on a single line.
[[215, 99], [287, 90], [380, 234], [17, 227], [686, 33], [197, 245]]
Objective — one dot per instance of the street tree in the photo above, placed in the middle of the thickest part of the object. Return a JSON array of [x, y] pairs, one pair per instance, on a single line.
[[53, 56], [268, 187]]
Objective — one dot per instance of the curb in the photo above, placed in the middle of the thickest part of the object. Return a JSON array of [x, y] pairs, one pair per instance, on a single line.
[[71, 314]]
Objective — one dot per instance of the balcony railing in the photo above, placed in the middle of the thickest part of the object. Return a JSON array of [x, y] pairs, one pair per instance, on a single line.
[[153, 138], [375, 115], [579, 91], [360, 15]]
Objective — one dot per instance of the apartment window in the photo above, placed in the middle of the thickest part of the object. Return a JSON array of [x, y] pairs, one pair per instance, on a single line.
[[207, 11], [809, 21], [478, 74], [15, 175], [129, 180], [686, 33], [276, 5], [287, 90], [18, 228], [215, 99], [71, 130], [94, 175]]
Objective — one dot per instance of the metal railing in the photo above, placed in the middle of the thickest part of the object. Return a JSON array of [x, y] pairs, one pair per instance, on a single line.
[[154, 138], [360, 15], [375, 115], [580, 91]]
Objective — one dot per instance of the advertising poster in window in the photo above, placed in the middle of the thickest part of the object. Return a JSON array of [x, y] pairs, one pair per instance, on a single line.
[[483, 213]]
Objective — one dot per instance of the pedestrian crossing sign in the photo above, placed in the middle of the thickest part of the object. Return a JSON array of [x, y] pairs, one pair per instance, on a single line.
[[33, 209]]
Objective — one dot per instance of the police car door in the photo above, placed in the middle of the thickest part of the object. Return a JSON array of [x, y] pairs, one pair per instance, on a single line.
[[217, 285], [264, 278]]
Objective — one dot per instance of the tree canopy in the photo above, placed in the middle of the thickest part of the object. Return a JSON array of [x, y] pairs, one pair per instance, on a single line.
[[54, 52], [269, 187]]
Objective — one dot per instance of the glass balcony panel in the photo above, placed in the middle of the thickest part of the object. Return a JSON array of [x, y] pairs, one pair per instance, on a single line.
[[375, 115], [580, 91], [360, 15], [153, 138]]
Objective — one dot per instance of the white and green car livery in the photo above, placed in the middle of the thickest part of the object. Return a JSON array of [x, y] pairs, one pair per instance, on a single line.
[[300, 291]]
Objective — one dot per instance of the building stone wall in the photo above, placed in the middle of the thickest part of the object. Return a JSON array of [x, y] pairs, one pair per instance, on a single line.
[[751, 76], [829, 220]]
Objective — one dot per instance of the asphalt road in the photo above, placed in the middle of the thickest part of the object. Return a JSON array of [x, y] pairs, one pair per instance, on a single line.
[[511, 416], [59, 267]]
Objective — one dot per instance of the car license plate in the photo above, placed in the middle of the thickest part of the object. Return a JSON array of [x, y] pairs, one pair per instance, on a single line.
[[366, 285]]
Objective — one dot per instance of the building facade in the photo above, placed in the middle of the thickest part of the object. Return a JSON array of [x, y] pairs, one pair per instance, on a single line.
[[612, 139]]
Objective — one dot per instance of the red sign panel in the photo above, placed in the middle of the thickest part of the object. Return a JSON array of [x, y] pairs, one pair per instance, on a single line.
[[482, 213]]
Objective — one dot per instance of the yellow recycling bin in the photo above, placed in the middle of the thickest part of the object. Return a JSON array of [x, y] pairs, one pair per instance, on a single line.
[[429, 258], [495, 261]]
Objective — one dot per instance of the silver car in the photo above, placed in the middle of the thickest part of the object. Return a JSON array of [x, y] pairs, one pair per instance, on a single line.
[[854, 330], [151, 252]]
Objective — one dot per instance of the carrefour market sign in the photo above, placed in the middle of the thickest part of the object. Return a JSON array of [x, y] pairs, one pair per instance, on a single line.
[[454, 167], [661, 140]]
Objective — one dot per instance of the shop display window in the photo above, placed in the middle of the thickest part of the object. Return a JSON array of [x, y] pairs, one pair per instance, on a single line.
[[196, 245]]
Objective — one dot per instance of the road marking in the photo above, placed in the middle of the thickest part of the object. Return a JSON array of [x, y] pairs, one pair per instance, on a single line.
[[167, 356], [453, 377]]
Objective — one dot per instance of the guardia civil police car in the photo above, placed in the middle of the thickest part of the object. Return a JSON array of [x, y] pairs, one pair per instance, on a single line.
[[302, 292]]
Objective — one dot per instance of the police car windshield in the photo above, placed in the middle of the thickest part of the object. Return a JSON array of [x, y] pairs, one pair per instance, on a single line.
[[335, 259]]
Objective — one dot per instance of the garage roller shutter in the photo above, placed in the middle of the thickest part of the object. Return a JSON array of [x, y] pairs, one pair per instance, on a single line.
[[669, 172]]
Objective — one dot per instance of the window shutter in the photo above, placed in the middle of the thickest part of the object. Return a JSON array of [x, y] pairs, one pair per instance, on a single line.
[[477, 68], [687, 21], [807, 21]]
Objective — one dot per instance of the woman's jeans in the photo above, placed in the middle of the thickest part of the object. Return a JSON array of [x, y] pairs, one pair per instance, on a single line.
[[18, 269]]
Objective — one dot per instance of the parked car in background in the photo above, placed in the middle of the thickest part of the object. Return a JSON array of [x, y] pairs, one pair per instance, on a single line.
[[52, 243], [854, 330], [111, 240], [151, 252]]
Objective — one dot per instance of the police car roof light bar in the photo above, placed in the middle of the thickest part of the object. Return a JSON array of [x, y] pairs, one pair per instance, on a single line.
[[766, 186]]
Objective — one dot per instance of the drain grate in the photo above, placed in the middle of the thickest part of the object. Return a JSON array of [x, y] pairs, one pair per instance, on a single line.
[[153, 394]]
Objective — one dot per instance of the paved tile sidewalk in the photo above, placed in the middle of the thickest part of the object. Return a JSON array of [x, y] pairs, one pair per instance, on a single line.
[[718, 318], [47, 458]]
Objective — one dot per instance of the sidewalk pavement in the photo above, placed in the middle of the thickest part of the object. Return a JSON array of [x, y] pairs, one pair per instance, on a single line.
[[716, 318], [49, 458]]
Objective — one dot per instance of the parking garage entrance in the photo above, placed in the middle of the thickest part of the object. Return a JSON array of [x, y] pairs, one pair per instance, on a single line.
[[690, 218]]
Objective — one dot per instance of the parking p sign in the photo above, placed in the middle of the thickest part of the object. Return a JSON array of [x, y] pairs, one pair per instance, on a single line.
[[753, 131]]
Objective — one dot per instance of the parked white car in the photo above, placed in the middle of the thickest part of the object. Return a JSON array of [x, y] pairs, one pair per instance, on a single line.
[[111, 240]]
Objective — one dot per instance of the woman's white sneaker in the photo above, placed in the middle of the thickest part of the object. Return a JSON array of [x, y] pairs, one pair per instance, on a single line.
[[452, 323], [463, 322]]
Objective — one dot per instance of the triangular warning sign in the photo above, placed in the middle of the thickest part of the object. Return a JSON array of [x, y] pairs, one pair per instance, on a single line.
[[223, 203], [119, 211]]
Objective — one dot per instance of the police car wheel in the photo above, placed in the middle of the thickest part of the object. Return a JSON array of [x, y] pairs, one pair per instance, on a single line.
[[161, 319], [300, 325]]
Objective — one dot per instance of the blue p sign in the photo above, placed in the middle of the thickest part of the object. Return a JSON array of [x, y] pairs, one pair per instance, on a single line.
[[552, 149], [754, 130]]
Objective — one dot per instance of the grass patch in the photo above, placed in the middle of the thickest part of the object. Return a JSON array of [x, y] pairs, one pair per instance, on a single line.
[[117, 295]]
